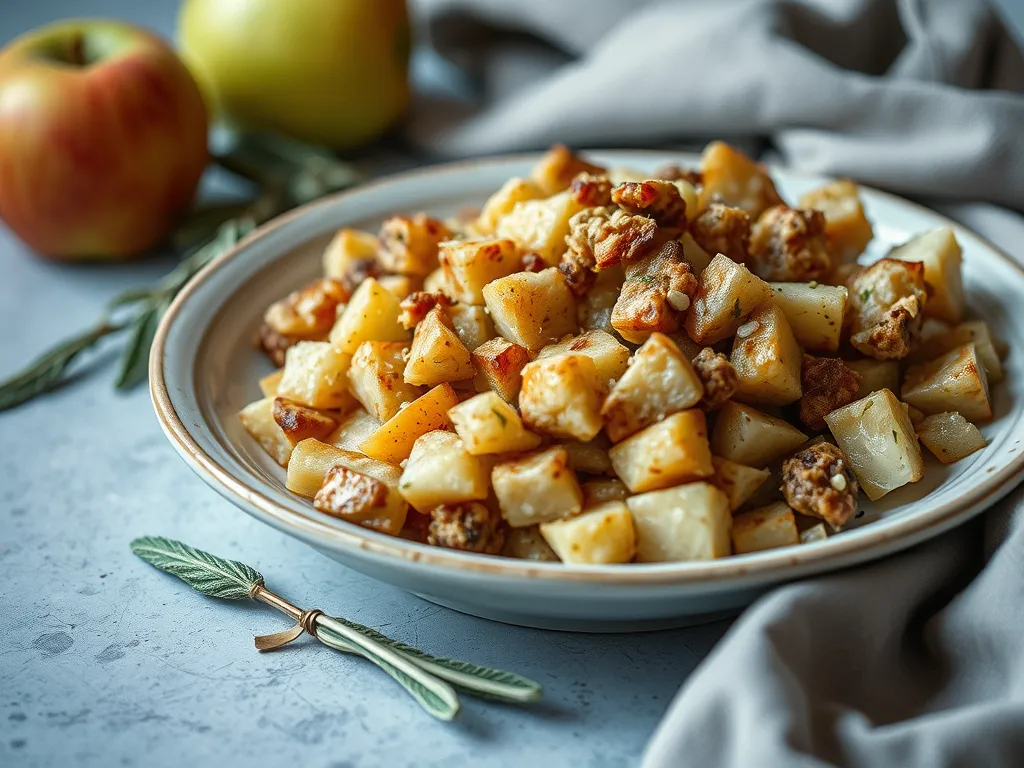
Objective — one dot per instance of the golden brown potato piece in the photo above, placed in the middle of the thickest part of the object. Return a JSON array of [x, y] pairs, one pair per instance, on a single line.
[[718, 377], [361, 498], [556, 170], [846, 227], [561, 396], [258, 420], [537, 488], [940, 253], [500, 204], [468, 527], [437, 354], [310, 312], [954, 382], [660, 200], [726, 294], [764, 528], [729, 176], [531, 309], [820, 482], [667, 453], [610, 357], [655, 294], [416, 305], [409, 244], [790, 245], [350, 253], [499, 364], [470, 265], [767, 359], [299, 422], [827, 384], [884, 308], [725, 230], [949, 436], [377, 378]]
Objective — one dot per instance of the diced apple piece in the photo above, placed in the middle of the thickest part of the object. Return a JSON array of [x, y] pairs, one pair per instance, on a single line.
[[659, 381], [487, 424], [540, 226], [537, 488], [746, 436], [727, 292], [353, 429], [940, 253], [394, 439], [528, 544], [875, 375], [366, 496], [437, 355], [609, 356], [499, 364], [315, 376], [816, 532], [376, 378], [531, 309], [258, 420], [669, 452], [469, 265], [688, 522], [847, 228], [879, 441], [270, 383], [765, 528], [591, 457], [767, 359], [949, 436], [738, 481], [599, 491], [500, 204], [372, 314], [602, 535], [730, 177], [347, 249], [954, 382], [814, 312], [562, 396], [441, 471], [695, 256], [472, 324], [976, 331]]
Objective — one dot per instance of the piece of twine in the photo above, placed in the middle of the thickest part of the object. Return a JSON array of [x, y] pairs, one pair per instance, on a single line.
[[305, 621]]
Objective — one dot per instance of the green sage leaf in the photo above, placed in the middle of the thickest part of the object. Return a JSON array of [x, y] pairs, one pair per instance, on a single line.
[[206, 573]]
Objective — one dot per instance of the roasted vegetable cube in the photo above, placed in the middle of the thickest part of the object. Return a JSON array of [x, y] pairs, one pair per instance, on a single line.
[[352, 430], [409, 244], [441, 471], [376, 378], [258, 420], [814, 312], [767, 359], [949, 436], [363, 496], [602, 535], [499, 364], [540, 226], [561, 396], [847, 228], [531, 309], [738, 481], [537, 489], [726, 294], [372, 314], [437, 355], [940, 253], [609, 356], [315, 376], [487, 424], [747, 436], [730, 177], [688, 522], [299, 422], [674, 450], [954, 382], [394, 439], [500, 204], [348, 253], [470, 265], [764, 528]]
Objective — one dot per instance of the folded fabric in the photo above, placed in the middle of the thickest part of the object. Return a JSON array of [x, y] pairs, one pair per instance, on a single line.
[[913, 661]]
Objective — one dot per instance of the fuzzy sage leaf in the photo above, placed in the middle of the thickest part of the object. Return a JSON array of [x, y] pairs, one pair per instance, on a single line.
[[206, 573]]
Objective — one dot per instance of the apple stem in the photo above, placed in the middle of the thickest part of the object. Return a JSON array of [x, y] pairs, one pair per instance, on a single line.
[[76, 56]]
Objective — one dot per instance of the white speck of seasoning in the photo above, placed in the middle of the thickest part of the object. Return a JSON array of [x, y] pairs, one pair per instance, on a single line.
[[403, 463], [838, 482], [403, 405], [679, 300], [748, 329]]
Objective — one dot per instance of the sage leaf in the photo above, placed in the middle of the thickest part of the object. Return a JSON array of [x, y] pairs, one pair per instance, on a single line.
[[205, 573], [134, 367]]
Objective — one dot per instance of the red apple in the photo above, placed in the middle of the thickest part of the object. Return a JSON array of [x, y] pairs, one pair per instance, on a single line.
[[102, 139]]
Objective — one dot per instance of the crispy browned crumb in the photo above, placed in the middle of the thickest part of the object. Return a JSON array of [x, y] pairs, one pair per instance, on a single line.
[[725, 230], [409, 243], [416, 305], [655, 198], [673, 172], [656, 292], [827, 384], [884, 308], [274, 344], [299, 422], [790, 245], [718, 375], [599, 238], [818, 482], [309, 312], [470, 527], [346, 493], [591, 191], [533, 263]]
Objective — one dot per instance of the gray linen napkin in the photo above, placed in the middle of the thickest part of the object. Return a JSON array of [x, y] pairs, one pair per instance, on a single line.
[[914, 661]]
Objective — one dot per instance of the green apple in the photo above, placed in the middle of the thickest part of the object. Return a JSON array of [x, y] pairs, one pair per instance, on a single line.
[[330, 72], [102, 139]]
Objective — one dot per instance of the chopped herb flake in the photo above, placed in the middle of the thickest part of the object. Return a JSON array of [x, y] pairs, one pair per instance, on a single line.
[[736, 309], [865, 294], [895, 437], [501, 416]]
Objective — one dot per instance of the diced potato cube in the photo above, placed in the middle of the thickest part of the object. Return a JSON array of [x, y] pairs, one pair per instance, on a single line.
[[609, 356], [366, 496], [591, 458], [875, 375], [315, 375], [746, 436], [540, 226], [441, 471], [376, 378], [394, 439], [597, 492], [659, 381], [436, 282], [258, 420], [469, 265], [669, 452], [312, 460], [594, 309], [954, 382], [816, 532], [726, 294], [347, 249], [299, 422], [501, 203], [879, 441], [562, 396], [814, 312], [976, 331], [400, 285], [688, 522], [528, 544], [487, 424], [409, 244], [738, 481], [531, 309], [949, 436], [437, 355], [499, 364], [270, 383], [472, 324], [730, 177], [847, 228], [599, 536], [558, 167], [372, 314], [765, 528], [537, 489], [942, 258], [767, 359], [353, 429], [695, 256]]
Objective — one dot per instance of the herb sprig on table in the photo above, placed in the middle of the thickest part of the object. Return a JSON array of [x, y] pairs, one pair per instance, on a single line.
[[287, 174]]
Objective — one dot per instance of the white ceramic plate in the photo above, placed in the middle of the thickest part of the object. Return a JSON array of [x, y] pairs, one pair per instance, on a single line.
[[204, 370]]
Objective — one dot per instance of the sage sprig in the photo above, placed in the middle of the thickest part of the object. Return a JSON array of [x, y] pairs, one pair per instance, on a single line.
[[288, 174], [431, 680]]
